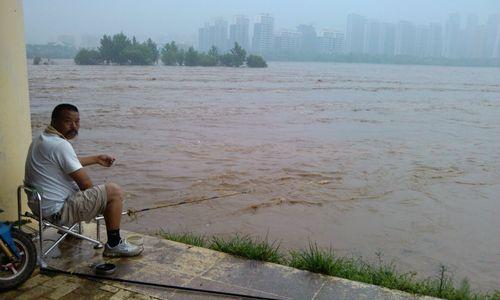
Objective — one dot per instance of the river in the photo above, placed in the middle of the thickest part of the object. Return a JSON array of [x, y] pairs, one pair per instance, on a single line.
[[362, 158]]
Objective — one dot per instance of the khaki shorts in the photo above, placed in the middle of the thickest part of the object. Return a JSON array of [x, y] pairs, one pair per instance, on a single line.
[[84, 205]]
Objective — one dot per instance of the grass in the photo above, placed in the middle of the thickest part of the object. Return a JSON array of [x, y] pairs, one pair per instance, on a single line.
[[382, 274], [325, 261], [246, 247], [186, 238], [243, 246]]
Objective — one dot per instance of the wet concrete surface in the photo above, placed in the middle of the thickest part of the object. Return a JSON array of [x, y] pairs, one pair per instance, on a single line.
[[171, 263]]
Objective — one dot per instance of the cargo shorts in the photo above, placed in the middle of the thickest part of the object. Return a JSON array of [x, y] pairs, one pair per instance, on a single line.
[[84, 205]]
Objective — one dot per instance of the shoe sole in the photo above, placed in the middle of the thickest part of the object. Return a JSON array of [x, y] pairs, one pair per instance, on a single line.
[[121, 254]]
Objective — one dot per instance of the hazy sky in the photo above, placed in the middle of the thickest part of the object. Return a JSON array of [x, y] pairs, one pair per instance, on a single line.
[[47, 19]]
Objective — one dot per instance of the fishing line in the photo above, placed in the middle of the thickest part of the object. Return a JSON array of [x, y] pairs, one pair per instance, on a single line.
[[132, 211], [50, 270]]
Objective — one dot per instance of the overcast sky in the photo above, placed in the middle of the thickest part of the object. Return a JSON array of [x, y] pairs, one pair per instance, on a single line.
[[45, 20]]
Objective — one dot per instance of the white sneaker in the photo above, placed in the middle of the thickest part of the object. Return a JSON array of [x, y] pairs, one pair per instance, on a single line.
[[123, 249]]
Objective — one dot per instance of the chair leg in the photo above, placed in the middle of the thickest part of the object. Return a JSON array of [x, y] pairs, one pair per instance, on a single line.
[[59, 240], [19, 208], [98, 234], [40, 225], [71, 232]]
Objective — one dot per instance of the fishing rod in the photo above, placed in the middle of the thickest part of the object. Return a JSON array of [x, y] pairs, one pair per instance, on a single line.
[[50, 270], [132, 211]]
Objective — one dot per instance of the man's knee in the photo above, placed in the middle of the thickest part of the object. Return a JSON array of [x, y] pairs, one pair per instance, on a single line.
[[114, 192]]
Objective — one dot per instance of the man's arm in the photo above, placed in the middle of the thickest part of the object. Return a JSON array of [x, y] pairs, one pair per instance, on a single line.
[[82, 179], [88, 160], [103, 159]]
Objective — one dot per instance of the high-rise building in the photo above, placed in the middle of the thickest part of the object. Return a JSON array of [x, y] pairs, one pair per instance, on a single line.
[[308, 39], [203, 38], [405, 38], [435, 41], [331, 42], [473, 38], [287, 41], [220, 34], [238, 32], [422, 40], [213, 35], [371, 43], [496, 46], [263, 35], [355, 34], [387, 38], [452, 37], [490, 41]]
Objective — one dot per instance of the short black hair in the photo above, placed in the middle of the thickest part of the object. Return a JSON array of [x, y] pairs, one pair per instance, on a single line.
[[56, 113]]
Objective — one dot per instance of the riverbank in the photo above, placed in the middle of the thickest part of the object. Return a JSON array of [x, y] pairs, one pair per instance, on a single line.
[[165, 262], [326, 261]]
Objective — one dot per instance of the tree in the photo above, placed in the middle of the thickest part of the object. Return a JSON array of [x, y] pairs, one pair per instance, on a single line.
[[120, 43], [106, 48], [255, 61], [207, 60], [191, 58], [88, 57], [153, 50], [50, 50], [169, 54], [138, 54], [227, 60], [239, 54], [214, 54], [181, 56]]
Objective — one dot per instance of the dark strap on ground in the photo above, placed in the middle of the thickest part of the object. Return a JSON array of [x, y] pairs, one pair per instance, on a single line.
[[51, 270]]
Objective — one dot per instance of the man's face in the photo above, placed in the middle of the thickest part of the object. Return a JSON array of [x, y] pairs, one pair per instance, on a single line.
[[68, 123]]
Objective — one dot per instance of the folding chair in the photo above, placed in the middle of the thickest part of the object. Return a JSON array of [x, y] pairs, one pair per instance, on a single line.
[[43, 224]]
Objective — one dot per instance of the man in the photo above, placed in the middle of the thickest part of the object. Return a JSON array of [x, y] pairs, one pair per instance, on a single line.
[[68, 193]]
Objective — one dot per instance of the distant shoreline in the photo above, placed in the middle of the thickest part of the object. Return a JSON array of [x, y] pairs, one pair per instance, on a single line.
[[489, 63], [339, 61], [67, 52]]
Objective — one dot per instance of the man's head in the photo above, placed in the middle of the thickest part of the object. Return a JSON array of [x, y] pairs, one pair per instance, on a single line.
[[66, 119]]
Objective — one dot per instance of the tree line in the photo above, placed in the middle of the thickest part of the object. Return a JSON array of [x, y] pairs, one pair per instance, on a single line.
[[121, 50], [50, 50]]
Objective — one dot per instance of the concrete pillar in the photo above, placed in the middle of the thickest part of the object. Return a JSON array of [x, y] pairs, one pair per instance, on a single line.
[[15, 123]]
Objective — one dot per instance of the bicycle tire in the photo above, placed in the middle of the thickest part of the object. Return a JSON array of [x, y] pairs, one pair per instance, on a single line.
[[23, 241]]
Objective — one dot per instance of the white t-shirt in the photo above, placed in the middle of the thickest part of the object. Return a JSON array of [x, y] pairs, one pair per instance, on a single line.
[[50, 160]]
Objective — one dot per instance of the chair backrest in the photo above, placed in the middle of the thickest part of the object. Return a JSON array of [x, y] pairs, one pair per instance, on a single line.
[[34, 196], [31, 191]]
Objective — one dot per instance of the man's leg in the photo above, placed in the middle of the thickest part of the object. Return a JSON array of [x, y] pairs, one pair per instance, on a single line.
[[115, 247], [100, 199], [113, 213]]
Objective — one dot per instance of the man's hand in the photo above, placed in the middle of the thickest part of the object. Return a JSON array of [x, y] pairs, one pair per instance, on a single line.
[[105, 160]]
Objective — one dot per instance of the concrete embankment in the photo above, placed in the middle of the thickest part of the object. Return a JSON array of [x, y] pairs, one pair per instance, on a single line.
[[171, 263]]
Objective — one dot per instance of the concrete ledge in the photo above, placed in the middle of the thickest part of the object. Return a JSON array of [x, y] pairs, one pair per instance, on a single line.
[[172, 263]]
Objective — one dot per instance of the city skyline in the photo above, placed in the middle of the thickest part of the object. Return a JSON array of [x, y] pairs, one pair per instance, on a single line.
[[169, 20], [457, 36], [452, 38]]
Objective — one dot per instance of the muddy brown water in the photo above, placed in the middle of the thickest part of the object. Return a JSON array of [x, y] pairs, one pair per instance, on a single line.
[[362, 158]]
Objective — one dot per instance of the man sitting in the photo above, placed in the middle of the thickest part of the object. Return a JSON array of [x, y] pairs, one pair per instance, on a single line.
[[68, 194]]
